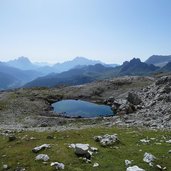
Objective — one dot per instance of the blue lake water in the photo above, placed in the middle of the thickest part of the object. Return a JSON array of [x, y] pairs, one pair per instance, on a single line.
[[79, 108]]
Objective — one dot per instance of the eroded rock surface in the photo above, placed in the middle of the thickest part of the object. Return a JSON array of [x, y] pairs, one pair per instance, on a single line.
[[107, 140], [43, 157]]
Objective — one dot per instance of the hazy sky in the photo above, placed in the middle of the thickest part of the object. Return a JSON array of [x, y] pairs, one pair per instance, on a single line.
[[109, 30]]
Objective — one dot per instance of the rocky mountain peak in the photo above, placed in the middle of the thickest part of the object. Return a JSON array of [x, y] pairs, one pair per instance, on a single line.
[[135, 61]]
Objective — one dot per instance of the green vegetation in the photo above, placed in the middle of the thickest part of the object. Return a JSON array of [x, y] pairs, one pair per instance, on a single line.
[[3, 105], [19, 152]]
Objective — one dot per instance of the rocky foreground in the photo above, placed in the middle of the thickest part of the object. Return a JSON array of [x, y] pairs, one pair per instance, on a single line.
[[101, 148]]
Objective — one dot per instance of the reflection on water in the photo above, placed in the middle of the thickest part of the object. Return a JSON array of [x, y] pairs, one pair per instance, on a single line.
[[79, 108]]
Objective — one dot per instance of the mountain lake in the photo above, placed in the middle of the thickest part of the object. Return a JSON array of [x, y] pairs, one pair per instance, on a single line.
[[79, 108]]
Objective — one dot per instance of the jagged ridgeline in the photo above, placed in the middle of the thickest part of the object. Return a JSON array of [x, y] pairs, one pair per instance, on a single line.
[[23, 73]]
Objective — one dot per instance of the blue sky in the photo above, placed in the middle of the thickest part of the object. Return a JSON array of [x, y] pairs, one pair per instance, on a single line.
[[109, 30]]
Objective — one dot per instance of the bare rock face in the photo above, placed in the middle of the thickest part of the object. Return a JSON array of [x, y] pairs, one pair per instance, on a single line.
[[107, 140], [149, 106], [122, 106], [133, 98], [164, 80]]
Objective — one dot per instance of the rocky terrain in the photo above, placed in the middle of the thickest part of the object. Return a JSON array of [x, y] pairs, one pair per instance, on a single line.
[[27, 108], [150, 106], [137, 101], [136, 138], [99, 148]]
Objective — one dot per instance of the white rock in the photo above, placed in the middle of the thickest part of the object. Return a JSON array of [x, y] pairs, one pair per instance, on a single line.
[[58, 165], [5, 166], [107, 139], [81, 149], [158, 166], [88, 161], [95, 164], [72, 146], [151, 164], [158, 143], [90, 152], [169, 151], [169, 141], [98, 138], [128, 162], [43, 157], [94, 149], [134, 168], [144, 141], [148, 158], [38, 148], [83, 158], [32, 138]]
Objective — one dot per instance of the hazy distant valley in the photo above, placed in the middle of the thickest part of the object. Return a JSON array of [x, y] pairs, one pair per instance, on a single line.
[[22, 72]]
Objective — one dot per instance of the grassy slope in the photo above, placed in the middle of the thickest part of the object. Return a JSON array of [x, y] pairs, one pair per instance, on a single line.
[[18, 153]]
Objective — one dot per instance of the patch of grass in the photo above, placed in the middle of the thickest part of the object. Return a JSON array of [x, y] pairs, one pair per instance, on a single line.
[[3, 105], [19, 152]]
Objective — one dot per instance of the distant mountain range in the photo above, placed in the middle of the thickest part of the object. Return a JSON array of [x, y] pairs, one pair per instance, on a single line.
[[93, 72], [22, 71], [166, 68], [11, 77], [24, 63], [74, 76], [17, 72], [135, 67], [158, 60]]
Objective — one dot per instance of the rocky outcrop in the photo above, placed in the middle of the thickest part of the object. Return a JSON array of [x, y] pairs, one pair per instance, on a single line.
[[83, 150], [133, 98], [107, 140], [122, 106], [164, 80], [149, 107]]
